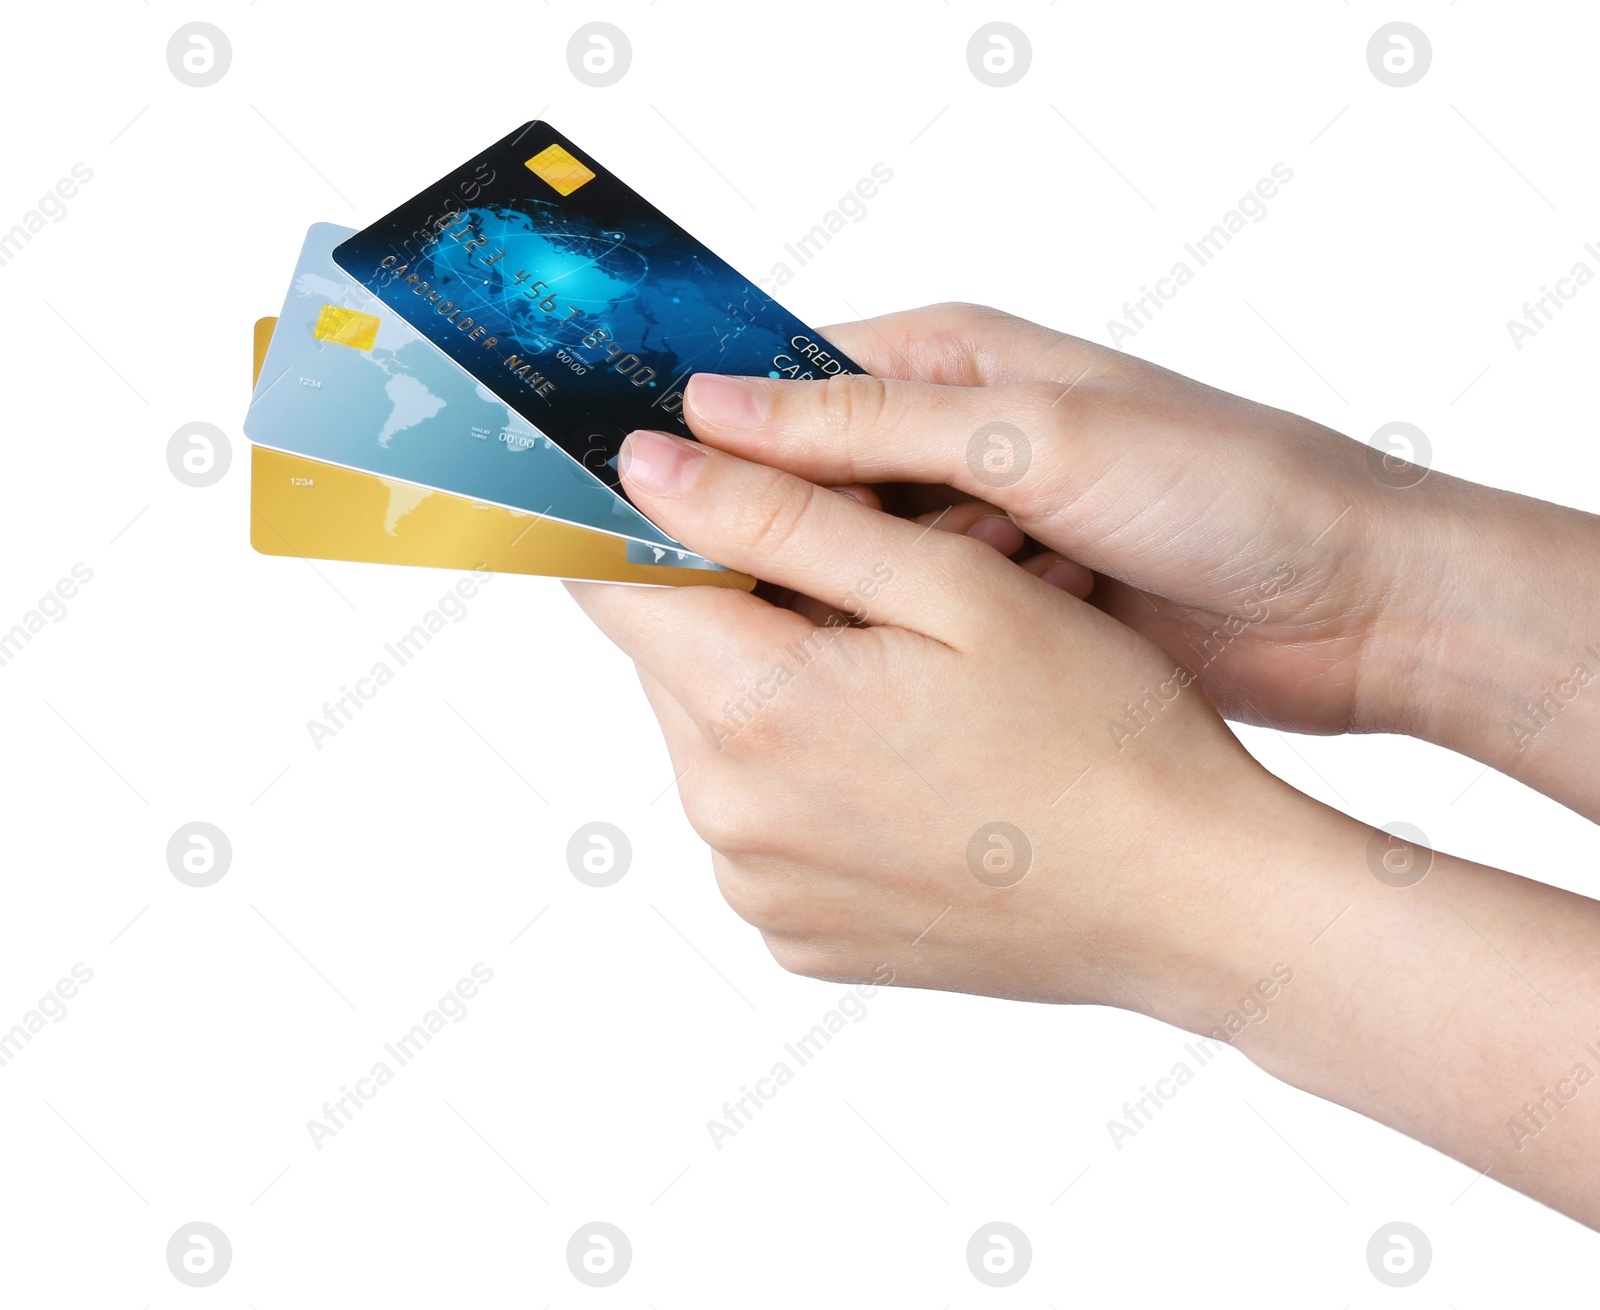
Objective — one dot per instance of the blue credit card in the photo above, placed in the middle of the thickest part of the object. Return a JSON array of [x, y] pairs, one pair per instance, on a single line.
[[349, 382], [572, 297]]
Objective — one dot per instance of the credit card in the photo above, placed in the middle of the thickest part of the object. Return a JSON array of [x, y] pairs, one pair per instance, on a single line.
[[349, 382], [314, 510], [572, 297]]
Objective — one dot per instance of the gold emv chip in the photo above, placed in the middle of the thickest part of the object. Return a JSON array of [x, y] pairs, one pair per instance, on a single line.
[[347, 327], [560, 169]]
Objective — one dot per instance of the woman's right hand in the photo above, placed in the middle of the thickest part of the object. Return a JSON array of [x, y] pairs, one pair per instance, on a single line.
[[1309, 581]]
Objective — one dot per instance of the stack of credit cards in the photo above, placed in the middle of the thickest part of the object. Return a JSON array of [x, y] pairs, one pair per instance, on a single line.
[[452, 385]]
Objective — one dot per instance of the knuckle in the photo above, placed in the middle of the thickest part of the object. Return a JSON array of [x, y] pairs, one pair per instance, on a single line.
[[1074, 357], [1036, 442], [1042, 400], [956, 314], [724, 820], [987, 586], [850, 400], [770, 519], [1048, 414], [793, 956], [874, 424], [748, 896], [810, 957], [748, 728], [967, 557]]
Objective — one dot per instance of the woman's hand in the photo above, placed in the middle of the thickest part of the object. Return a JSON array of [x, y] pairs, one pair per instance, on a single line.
[[935, 799], [941, 793], [1250, 544], [1309, 581]]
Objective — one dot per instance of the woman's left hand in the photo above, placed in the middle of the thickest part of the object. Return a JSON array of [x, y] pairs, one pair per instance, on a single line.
[[980, 784]]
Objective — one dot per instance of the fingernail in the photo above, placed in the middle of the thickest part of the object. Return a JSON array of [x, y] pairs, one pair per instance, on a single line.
[[851, 492], [1001, 533], [661, 464], [729, 402], [1062, 574]]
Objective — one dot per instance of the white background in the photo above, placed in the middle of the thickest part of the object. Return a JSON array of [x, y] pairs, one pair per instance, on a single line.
[[370, 875]]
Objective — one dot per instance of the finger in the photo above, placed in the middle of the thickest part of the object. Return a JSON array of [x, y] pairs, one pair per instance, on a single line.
[[808, 607], [1016, 446], [960, 346], [980, 521], [795, 534], [787, 598], [983, 521], [1070, 576], [1150, 616]]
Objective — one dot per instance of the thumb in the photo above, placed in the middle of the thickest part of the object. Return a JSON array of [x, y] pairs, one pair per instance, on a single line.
[[1001, 444], [822, 544]]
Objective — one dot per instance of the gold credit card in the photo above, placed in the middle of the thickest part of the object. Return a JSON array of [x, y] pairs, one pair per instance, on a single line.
[[303, 507]]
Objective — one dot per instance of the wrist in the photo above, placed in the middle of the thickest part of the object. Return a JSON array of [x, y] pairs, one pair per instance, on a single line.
[[1247, 883], [1491, 645], [1443, 999]]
